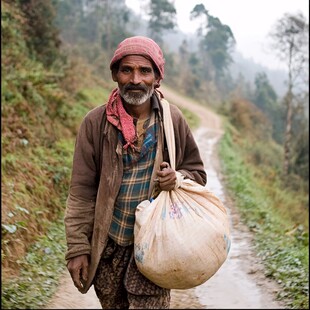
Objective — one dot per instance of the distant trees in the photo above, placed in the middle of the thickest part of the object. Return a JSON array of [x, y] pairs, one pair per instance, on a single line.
[[42, 36], [265, 96], [162, 15], [91, 30], [188, 70], [266, 99], [101, 23], [290, 41], [217, 40]]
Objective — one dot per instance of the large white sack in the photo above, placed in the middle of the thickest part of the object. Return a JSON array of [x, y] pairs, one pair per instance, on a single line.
[[182, 237]]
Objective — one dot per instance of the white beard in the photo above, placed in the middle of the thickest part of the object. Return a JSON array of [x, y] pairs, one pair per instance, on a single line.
[[136, 98]]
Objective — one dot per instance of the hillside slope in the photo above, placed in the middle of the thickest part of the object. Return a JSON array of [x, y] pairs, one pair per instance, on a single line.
[[39, 119]]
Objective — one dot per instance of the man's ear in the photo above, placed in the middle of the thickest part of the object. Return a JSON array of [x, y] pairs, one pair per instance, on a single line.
[[157, 82]]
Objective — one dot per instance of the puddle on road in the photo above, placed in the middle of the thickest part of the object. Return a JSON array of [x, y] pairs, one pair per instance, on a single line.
[[231, 287]]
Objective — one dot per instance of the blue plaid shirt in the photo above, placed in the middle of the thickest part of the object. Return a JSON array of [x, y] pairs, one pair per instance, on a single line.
[[138, 167]]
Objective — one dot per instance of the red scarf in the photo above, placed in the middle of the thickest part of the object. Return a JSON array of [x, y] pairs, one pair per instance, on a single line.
[[118, 117]]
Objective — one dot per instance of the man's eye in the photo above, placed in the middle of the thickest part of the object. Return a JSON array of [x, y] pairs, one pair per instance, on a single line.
[[146, 70], [125, 70]]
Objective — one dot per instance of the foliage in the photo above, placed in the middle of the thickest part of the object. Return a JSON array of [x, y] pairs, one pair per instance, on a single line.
[[40, 33], [277, 216], [265, 96], [192, 119], [301, 161], [266, 99], [33, 198], [31, 102], [217, 39], [35, 182], [25, 81], [41, 268], [162, 17], [96, 27], [249, 119], [185, 74], [39, 120], [290, 41]]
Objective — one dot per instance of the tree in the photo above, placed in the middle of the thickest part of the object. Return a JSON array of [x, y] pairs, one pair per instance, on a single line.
[[266, 99], [92, 29], [162, 17], [188, 70], [217, 39], [42, 35], [290, 41], [264, 96]]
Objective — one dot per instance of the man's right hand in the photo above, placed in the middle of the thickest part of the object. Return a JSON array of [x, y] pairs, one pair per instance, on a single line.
[[78, 268]]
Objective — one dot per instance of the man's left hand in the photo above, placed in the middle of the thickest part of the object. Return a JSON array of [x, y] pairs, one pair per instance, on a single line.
[[166, 177]]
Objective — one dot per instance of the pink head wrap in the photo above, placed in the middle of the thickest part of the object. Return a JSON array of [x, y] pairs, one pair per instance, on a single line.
[[143, 46], [116, 114]]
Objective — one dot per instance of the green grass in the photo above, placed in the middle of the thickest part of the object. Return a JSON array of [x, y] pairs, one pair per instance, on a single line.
[[40, 272], [35, 182], [281, 244], [192, 119]]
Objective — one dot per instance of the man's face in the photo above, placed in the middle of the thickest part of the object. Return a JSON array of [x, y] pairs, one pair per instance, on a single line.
[[136, 79]]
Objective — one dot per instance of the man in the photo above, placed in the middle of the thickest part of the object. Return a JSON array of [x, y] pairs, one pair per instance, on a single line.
[[120, 159]]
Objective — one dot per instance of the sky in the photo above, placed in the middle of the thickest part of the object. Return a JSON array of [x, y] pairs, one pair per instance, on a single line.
[[250, 21]]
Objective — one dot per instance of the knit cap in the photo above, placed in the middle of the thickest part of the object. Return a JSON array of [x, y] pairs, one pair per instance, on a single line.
[[139, 45]]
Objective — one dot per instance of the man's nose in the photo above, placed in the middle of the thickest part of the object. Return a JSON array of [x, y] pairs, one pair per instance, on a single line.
[[136, 77]]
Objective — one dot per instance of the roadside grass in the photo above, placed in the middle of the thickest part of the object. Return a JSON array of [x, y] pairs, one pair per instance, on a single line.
[[31, 274], [193, 119], [35, 182], [33, 185], [40, 271], [281, 242]]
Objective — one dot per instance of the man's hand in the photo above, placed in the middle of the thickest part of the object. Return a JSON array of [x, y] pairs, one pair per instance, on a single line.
[[78, 268], [166, 177]]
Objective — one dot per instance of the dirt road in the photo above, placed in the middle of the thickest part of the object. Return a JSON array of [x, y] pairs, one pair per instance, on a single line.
[[240, 282]]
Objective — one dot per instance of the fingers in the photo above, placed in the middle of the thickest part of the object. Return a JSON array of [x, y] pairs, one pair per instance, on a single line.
[[75, 275], [78, 268], [84, 273], [165, 174], [166, 177], [76, 279], [167, 186], [164, 165]]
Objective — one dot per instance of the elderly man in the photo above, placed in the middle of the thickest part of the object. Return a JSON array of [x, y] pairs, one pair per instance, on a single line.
[[120, 159]]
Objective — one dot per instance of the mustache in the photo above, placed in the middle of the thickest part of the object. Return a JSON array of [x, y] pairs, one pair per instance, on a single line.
[[135, 87]]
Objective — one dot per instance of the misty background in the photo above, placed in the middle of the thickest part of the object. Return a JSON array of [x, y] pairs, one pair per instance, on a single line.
[[55, 69]]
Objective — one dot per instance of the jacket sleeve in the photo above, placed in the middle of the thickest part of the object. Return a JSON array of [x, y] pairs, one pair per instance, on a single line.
[[80, 205], [188, 159]]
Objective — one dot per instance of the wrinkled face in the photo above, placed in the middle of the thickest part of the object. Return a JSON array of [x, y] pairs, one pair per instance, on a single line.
[[136, 79]]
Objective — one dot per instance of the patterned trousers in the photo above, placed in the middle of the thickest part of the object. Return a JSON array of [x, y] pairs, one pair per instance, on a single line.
[[119, 284]]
